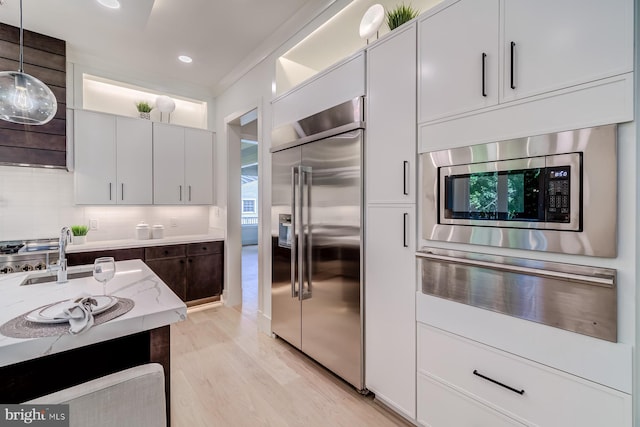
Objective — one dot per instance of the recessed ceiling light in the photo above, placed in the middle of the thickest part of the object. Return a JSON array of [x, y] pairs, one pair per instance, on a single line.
[[186, 59], [111, 4]]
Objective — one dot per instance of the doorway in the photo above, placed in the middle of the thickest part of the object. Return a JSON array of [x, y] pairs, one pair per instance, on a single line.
[[249, 210]]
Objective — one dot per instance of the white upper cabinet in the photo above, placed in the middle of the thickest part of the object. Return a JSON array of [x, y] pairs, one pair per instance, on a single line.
[[95, 158], [134, 162], [198, 176], [479, 53], [168, 165], [112, 159], [391, 119], [458, 53], [182, 165], [558, 44]]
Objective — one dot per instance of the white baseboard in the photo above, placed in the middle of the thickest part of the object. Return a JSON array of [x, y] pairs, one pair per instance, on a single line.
[[264, 323]]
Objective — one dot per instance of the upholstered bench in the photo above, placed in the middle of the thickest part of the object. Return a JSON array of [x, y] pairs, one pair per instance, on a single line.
[[130, 398]]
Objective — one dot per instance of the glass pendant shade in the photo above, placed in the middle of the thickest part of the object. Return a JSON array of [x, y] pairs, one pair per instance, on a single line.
[[25, 99]]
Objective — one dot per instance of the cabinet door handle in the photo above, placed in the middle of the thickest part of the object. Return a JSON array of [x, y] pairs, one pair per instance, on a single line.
[[180, 193], [513, 52], [405, 180], [405, 230], [122, 191], [189, 193], [484, 60], [515, 390], [110, 192]]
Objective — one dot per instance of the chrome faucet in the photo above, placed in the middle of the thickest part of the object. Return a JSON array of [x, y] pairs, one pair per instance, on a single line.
[[61, 266]]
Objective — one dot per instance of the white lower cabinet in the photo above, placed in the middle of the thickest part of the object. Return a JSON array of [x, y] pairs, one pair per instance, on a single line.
[[390, 274], [466, 374], [442, 406]]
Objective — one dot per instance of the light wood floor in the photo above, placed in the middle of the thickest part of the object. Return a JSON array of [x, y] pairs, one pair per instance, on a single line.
[[225, 373]]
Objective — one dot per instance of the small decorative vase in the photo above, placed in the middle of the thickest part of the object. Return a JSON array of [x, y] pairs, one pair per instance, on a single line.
[[146, 116], [79, 240]]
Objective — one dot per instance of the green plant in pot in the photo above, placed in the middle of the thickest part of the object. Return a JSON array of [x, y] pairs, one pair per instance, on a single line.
[[144, 109], [79, 233], [400, 14]]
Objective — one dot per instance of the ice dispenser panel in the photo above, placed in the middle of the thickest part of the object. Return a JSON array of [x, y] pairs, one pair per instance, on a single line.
[[284, 231]]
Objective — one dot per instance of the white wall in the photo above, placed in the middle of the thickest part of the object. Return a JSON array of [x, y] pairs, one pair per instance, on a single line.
[[36, 203], [255, 89]]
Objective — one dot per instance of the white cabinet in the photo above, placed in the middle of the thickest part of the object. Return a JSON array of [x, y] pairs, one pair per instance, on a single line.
[[198, 157], [391, 119], [390, 279], [525, 391], [441, 406], [112, 159], [390, 182], [458, 59], [182, 165], [558, 44], [134, 163], [478, 53]]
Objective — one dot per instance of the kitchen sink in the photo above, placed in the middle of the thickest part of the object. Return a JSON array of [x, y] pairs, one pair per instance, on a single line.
[[36, 278]]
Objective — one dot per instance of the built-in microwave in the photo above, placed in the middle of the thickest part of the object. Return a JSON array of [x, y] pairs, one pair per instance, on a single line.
[[554, 192]]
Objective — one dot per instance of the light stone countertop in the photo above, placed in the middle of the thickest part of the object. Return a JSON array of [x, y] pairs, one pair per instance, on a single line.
[[155, 306], [134, 243]]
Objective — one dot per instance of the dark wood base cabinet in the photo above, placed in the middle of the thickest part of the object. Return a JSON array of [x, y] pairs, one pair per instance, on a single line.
[[193, 271]]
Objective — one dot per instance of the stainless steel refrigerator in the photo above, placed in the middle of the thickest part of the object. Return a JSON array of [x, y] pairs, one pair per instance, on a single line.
[[316, 286]]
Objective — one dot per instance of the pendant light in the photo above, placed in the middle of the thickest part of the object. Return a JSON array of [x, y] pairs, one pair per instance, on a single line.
[[23, 98]]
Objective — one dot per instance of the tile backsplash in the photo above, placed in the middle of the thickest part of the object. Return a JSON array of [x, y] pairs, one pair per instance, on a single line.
[[36, 203]]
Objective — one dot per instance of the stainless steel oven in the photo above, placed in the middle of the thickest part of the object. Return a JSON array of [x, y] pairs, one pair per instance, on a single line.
[[554, 192]]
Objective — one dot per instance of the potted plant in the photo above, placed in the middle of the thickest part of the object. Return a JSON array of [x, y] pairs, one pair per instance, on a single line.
[[400, 14], [79, 234], [144, 109]]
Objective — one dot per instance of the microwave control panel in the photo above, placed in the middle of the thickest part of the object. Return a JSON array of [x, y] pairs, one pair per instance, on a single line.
[[558, 194]]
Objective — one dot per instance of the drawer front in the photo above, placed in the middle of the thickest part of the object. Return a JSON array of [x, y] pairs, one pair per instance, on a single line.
[[549, 398], [159, 252], [441, 406], [204, 248], [82, 258]]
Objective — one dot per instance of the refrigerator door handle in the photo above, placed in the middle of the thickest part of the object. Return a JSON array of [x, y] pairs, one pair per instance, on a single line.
[[304, 246], [294, 248]]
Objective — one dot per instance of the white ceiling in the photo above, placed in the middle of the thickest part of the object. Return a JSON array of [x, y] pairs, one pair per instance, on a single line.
[[144, 37]]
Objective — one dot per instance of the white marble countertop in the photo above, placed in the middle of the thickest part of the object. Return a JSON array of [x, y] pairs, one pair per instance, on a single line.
[[134, 243], [155, 306]]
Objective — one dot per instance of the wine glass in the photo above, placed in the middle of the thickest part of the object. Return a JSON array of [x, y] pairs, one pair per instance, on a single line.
[[104, 268]]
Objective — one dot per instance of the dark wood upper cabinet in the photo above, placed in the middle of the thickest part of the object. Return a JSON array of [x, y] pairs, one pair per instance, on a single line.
[[44, 59]]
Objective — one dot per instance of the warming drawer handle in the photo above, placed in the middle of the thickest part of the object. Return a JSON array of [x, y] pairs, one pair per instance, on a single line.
[[515, 390], [607, 282]]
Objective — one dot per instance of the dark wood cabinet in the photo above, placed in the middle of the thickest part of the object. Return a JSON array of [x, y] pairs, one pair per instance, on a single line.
[[193, 271], [82, 258], [169, 263], [204, 270]]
